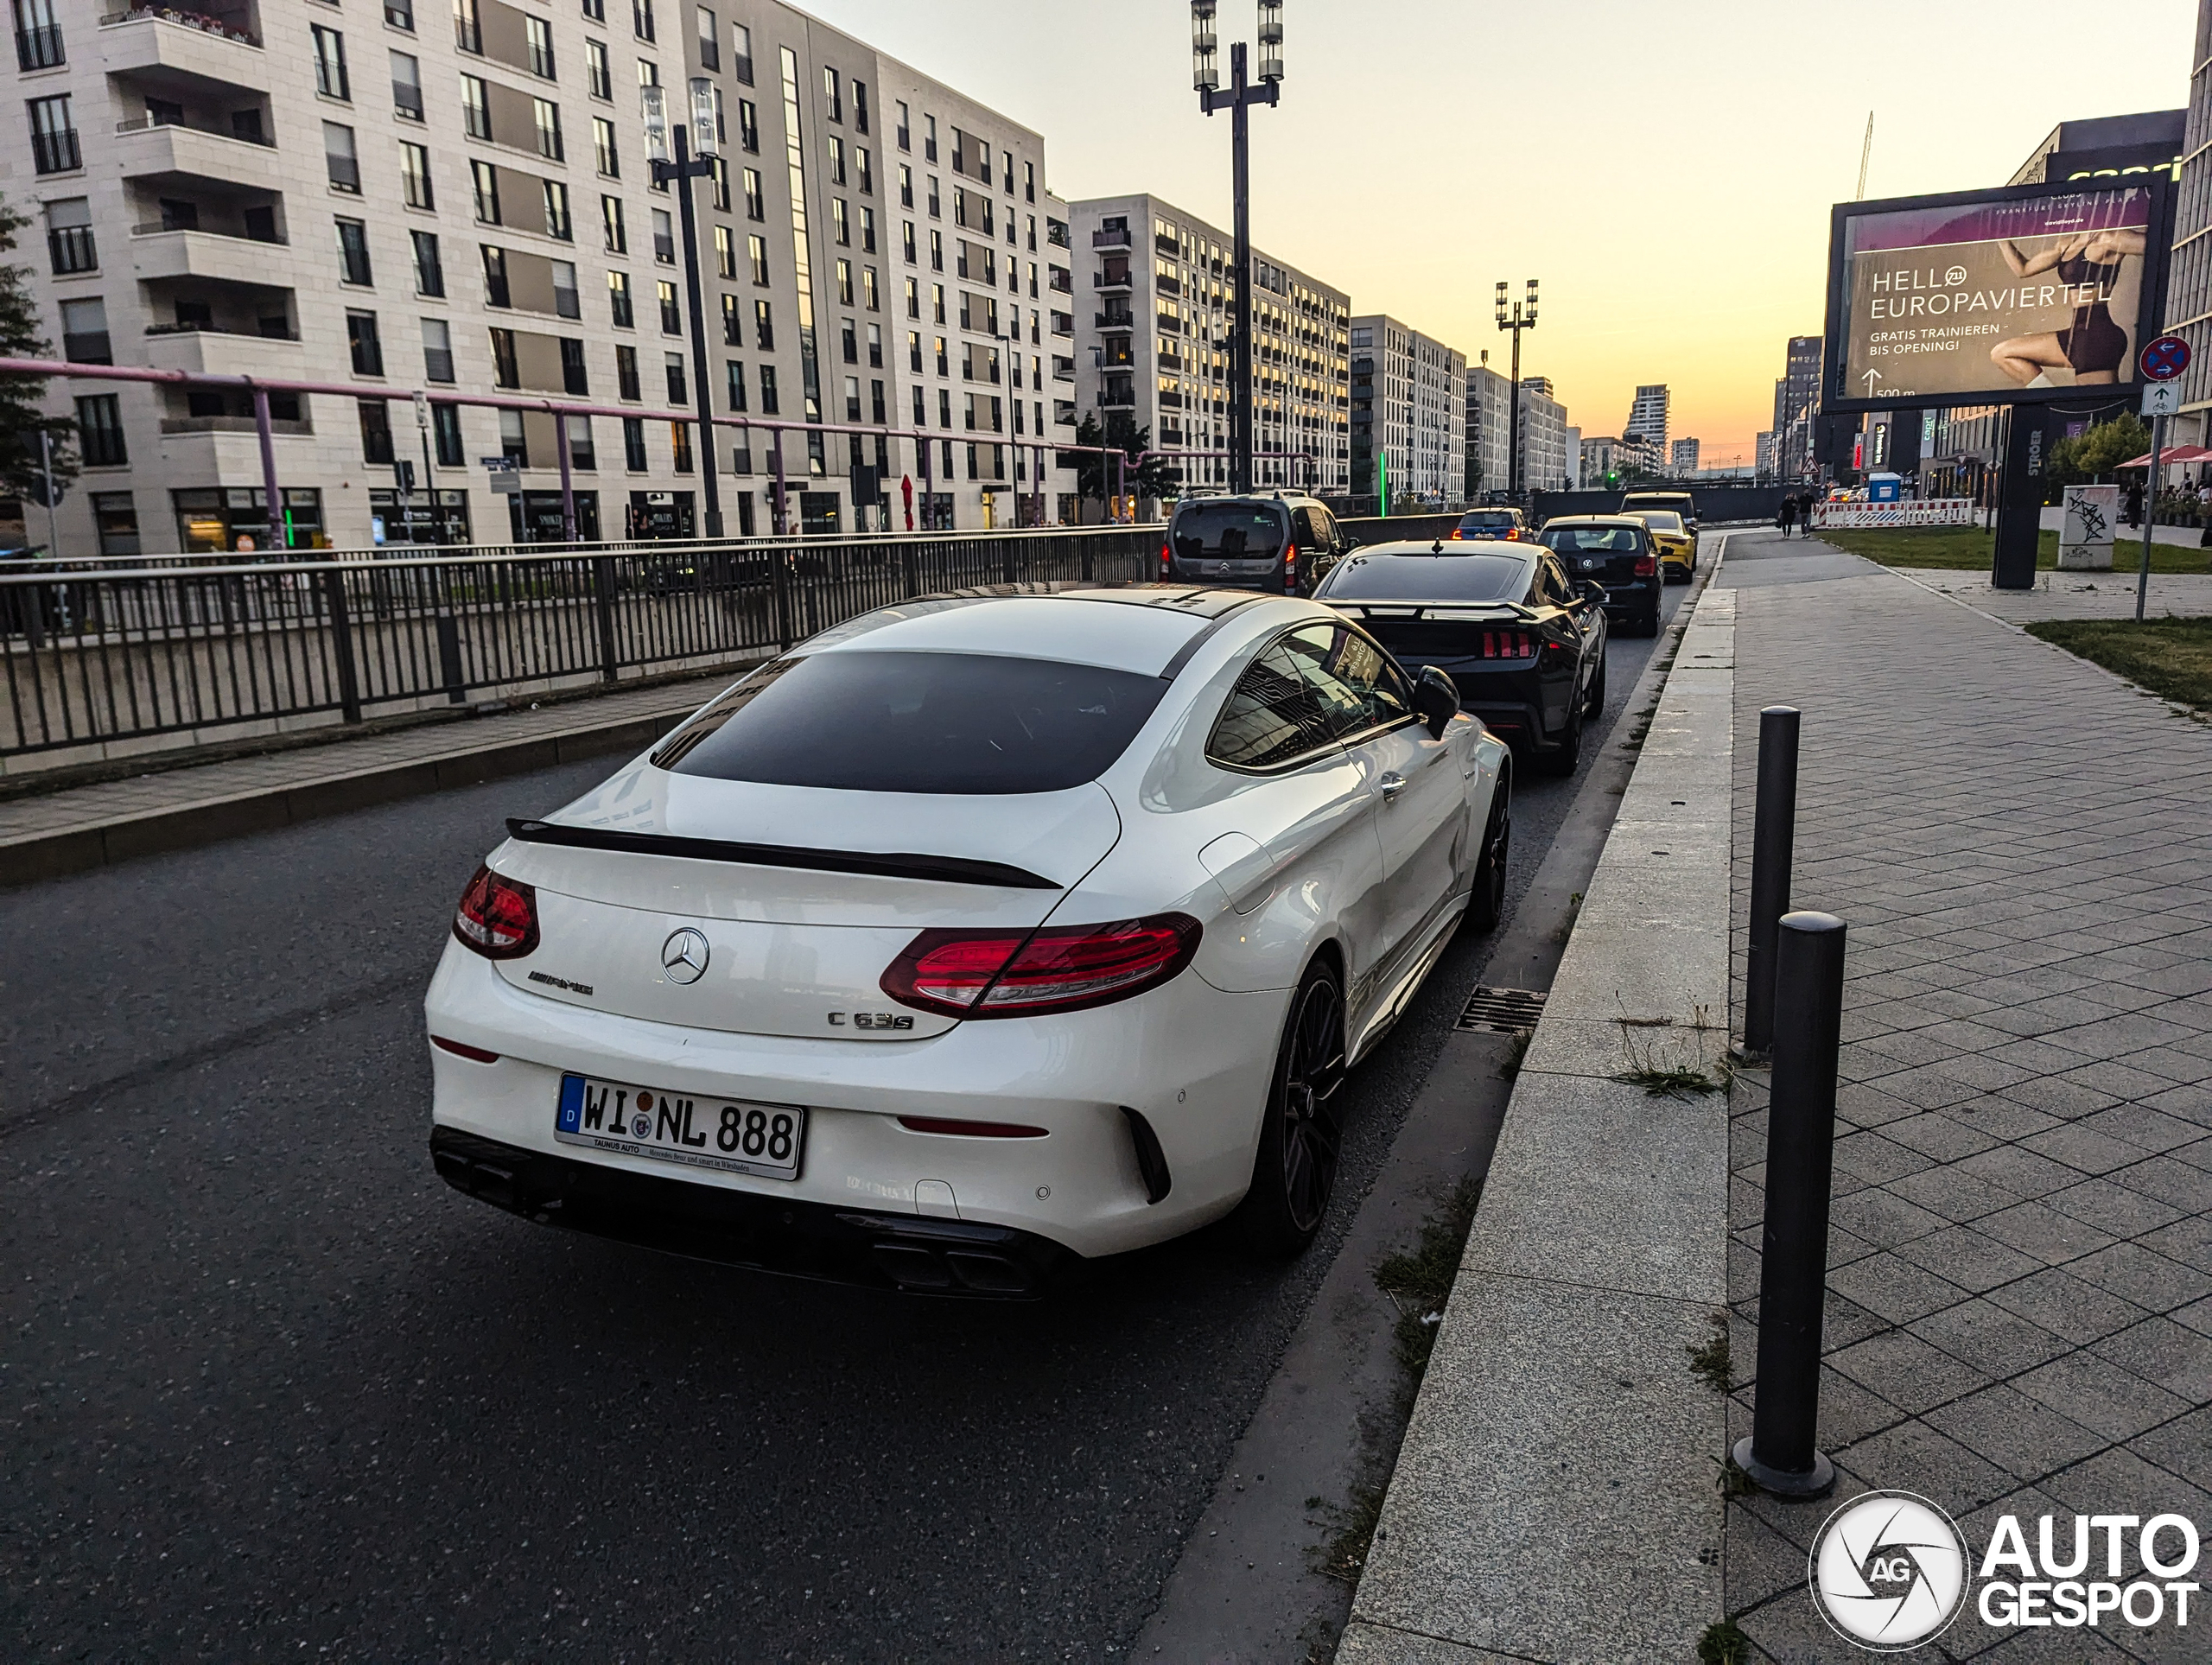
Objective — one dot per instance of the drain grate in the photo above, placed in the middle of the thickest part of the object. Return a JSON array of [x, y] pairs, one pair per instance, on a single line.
[[1502, 1011]]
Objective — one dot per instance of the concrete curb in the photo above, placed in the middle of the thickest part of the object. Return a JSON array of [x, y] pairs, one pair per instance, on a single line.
[[51, 854], [1554, 1498]]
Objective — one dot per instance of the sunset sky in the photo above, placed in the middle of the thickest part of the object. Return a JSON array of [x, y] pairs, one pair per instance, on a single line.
[[1665, 171]]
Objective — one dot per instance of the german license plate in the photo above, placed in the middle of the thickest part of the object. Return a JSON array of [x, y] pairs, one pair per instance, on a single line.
[[733, 1135]]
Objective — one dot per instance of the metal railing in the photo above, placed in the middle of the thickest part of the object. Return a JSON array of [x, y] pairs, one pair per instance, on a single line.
[[91, 654]]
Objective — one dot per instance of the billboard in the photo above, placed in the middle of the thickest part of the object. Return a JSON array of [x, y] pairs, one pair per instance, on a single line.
[[2004, 296]]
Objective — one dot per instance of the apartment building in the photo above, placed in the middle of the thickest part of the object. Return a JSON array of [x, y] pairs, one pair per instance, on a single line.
[[1643, 436], [1796, 406], [1602, 458], [1682, 458], [1544, 465], [460, 201], [1152, 345], [1408, 411], [1551, 452]]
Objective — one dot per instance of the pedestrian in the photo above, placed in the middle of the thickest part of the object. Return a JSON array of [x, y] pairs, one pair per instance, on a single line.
[[2135, 505], [1786, 515], [2204, 511]]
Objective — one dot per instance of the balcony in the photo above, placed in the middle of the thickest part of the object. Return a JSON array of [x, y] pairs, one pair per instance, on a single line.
[[1110, 239], [1112, 318], [1063, 368], [204, 348], [1112, 398], [170, 152], [1112, 282], [1064, 323], [157, 254], [165, 52], [300, 430]]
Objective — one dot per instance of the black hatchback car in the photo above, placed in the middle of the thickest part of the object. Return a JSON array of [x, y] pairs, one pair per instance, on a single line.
[[1524, 643], [1279, 543], [1615, 551]]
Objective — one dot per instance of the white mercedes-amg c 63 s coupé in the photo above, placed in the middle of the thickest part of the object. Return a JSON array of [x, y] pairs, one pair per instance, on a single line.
[[974, 934]]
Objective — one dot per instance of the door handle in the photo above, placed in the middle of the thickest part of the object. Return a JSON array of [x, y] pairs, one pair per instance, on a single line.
[[1391, 786]]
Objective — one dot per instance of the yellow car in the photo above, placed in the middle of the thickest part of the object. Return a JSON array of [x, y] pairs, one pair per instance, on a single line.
[[1676, 545]]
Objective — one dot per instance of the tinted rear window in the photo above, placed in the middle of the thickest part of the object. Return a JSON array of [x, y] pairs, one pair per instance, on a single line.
[[1227, 530], [1426, 578], [1593, 540], [1661, 520], [1488, 517], [964, 723]]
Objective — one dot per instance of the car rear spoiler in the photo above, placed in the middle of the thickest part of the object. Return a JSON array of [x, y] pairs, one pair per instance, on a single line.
[[1422, 610], [943, 869]]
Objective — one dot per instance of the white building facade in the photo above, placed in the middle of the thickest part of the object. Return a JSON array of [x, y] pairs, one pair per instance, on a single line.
[[1408, 413], [1544, 466], [459, 201], [1153, 316]]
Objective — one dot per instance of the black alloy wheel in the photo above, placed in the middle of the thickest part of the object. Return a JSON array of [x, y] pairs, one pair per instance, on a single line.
[[1564, 758], [1487, 906], [1294, 1171], [1648, 626]]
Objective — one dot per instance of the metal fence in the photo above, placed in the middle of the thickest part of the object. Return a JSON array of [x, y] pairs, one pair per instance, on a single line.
[[93, 655]]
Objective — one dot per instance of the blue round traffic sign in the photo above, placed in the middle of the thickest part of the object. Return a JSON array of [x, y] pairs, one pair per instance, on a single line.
[[2165, 359]]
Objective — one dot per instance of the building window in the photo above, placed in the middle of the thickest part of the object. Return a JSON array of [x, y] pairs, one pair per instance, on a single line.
[[836, 159], [407, 86], [507, 372], [735, 393], [514, 439], [868, 231], [604, 151], [733, 322], [937, 250], [595, 10], [763, 326], [414, 175], [905, 121], [467, 29], [115, 517], [445, 432], [556, 212], [852, 398], [354, 252], [869, 297], [566, 300], [625, 372], [548, 116], [664, 238], [437, 350], [845, 282], [610, 219], [850, 339], [598, 75], [375, 431], [679, 444], [726, 253], [429, 274], [936, 202], [718, 176], [330, 79], [361, 341], [711, 45], [756, 255], [339, 162], [834, 103], [38, 36], [99, 431], [1029, 185], [538, 34], [756, 206], [476, 107], [840, 225], [495, 276], [749, 125], [53, 135], [582, 453], [741, 53], [69, 240], [641, 19], [671, 316], [769, 406], [573, 378], [84, 331], [617, 299], [633, 444]]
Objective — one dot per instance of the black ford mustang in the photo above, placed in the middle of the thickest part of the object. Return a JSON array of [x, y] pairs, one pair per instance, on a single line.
[[1524, 643]]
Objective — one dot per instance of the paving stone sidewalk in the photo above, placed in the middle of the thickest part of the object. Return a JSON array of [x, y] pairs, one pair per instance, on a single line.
[[2074, 594], [2019, 1310]]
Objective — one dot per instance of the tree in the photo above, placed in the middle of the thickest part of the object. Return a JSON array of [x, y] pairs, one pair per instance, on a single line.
[[22, 421], [1094, 471], [2096, 455]]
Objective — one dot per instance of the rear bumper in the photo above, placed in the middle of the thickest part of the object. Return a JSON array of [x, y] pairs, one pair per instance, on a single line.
[[1635, 598], [736, 1228], [1269, 583]]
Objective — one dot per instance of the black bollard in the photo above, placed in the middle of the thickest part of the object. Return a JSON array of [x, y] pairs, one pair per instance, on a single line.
[[1781, 1454], [1773, 827]]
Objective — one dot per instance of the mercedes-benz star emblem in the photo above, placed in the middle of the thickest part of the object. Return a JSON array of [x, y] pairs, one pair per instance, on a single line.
[[684, 956]]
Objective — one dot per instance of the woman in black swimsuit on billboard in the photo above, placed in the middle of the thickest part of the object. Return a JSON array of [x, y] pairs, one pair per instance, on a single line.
[[2094, 344]]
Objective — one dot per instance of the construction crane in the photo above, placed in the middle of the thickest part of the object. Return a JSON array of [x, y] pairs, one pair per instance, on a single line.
[[1865, 154]]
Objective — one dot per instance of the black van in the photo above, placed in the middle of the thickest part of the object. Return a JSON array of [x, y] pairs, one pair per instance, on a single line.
[[1279, 542]]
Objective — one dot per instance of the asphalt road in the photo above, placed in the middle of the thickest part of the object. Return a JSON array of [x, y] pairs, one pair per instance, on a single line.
[[268, 1388]]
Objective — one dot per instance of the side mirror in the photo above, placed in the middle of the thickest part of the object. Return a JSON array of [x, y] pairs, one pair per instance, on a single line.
[[1593, 591], [1436, 697]]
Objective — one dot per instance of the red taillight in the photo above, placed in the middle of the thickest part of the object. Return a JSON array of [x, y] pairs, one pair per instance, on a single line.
[[1646, 565], [1000, 974], [1290, 566], [1167, 559], [1507, 645], [474, 1054], [1457, 533], [498, 918]]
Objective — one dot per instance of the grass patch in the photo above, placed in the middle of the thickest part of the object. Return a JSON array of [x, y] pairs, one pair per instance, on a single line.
[[1709, 1359], [1724, 1643], [1509, 1068], [1732, 1482], [1670, 1082], [1345, 1556], [1420, 1279], [2171, 656], [1969, 548]]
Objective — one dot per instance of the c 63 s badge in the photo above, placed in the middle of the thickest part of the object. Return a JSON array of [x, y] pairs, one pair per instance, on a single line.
[[871, 1020]]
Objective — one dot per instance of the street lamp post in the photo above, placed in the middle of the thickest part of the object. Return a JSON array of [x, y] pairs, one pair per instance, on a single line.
[[680, 170], [1206, 77], [1516, 319]]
